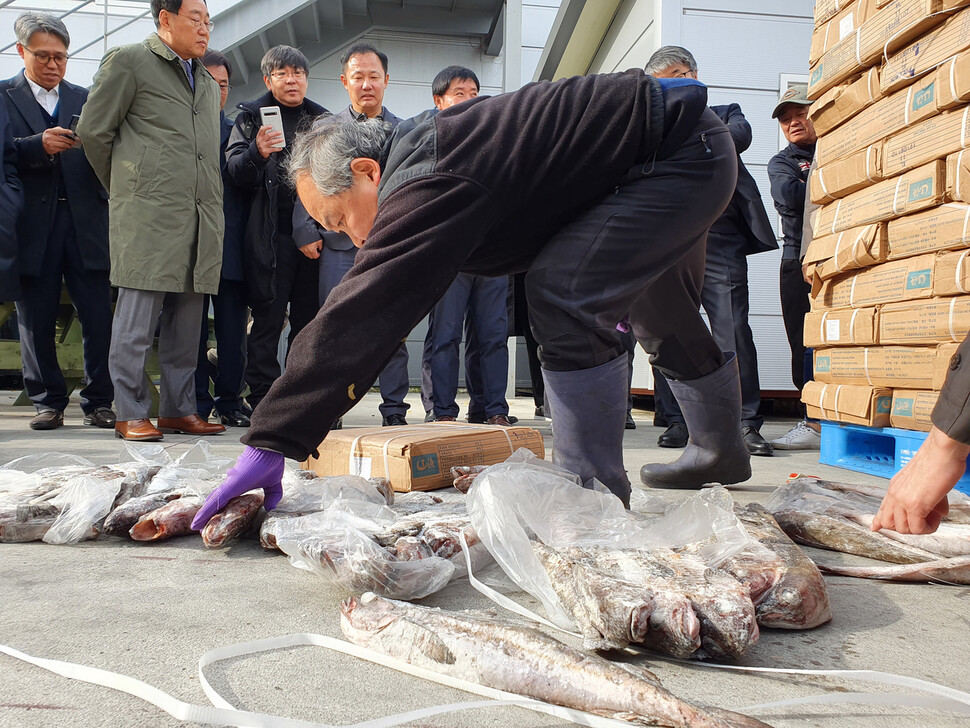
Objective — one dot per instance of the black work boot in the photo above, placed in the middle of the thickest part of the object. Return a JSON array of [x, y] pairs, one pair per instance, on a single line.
[[588, 418], [715, 451]]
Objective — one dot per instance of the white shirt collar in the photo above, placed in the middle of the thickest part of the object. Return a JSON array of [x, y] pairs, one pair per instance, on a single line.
[[47, 99]]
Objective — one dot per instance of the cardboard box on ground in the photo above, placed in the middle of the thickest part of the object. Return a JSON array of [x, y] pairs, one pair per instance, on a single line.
[[419, 457]]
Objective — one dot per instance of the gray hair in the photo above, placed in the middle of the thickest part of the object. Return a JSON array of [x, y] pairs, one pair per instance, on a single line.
[[29, 23], [327, 149], [664, 58], [282, 56]]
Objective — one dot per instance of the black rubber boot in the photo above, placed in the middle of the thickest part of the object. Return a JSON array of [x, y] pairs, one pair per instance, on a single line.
[[715, 451], [588, 419]]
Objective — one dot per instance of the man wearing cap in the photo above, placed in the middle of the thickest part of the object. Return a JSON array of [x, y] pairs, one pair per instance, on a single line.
[[788, 171], [489, 186]]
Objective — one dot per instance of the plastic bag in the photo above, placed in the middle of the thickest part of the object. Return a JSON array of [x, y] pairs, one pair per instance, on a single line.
[[525, 498], [302, 494], [84, 502]]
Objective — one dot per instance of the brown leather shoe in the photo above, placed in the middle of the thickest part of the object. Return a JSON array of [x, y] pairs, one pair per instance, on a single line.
[[499, 420], [139, 430], [189, 425]]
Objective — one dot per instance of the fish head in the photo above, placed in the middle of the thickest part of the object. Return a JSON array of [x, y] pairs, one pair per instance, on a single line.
[[364, 617]]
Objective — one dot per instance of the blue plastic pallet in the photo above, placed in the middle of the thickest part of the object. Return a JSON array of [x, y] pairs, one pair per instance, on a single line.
[[881, 451]]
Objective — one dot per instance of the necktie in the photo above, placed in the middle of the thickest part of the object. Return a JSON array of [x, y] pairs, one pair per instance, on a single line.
[[188, 70]]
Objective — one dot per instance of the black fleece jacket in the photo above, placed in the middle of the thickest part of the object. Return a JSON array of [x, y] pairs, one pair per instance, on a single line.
[[479, 187]]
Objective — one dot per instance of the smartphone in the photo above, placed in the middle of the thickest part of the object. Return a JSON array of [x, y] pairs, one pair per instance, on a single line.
[[74, 121], [270, 116]]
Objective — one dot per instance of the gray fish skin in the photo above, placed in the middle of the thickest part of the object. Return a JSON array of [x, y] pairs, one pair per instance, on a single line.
[[515, 658], [950, 571], [838, 533], [126, 515], [232, 521], [949, 540], [728, 624], [172, 519], [796, 596]]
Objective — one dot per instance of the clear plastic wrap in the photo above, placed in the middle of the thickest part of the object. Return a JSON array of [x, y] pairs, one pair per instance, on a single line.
[[513, 503], [83, 503], [304, 493]]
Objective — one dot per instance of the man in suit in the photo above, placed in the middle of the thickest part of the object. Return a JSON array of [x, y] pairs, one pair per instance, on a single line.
[[478, 302], [364, 75], [742, 230], [63, 229], [150, 130], [229, 310], [11, 203]]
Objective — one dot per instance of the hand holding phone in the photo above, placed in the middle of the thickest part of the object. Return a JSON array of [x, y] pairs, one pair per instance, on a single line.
[[270, 140]]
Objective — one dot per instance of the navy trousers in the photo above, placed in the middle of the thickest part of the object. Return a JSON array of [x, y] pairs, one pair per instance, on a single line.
[[479, 305], [90, 292], [394, 379], [639, 251], [230, 316], [725, 299]]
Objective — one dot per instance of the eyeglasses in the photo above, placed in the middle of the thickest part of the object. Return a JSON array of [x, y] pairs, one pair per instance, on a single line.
[[209, 25], [683, 74], [299, 74], [44, 58], [225, 86]]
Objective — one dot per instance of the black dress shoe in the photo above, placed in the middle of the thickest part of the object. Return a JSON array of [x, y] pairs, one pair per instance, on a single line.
[[756, 444], [47, 420], [236, 418], [630, 422], [393, 421], [102, 417], [476, 418], [674, 436]]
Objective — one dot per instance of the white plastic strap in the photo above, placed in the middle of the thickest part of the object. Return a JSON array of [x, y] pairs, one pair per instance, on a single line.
[[953, 335], [855, 279], [953, 78], [963, 128], [909, 103], [958, 274], [870, 157], [855, 312], [835, 220], [872, 99], [896, 194], [821, 402], [838, 247], [821, 329], [966, 225], [820, 173], [838, 391], [959, 166], [866, 365]]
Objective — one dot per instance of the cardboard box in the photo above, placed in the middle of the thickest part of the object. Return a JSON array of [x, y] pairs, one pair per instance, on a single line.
[[844, 327], [848, 250], [825, 10], [840, 103], [958, 176], [419, 457], [846, 21], [888, 116], [946, 227], [906, 367], [847, 175], [912, 409], [910, 192], [931, 139], [938, 320], [953, 82], [931, 47], [952, 274], [852, 404], [899, 280], [886, 31]]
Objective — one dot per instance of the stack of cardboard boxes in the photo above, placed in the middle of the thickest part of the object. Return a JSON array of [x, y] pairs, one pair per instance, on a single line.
[[890, 256]]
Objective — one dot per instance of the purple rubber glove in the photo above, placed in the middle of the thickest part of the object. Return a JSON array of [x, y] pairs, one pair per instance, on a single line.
[[254, 469]]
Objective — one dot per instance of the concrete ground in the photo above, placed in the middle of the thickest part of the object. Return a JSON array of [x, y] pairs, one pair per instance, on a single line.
[[150, 612]]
